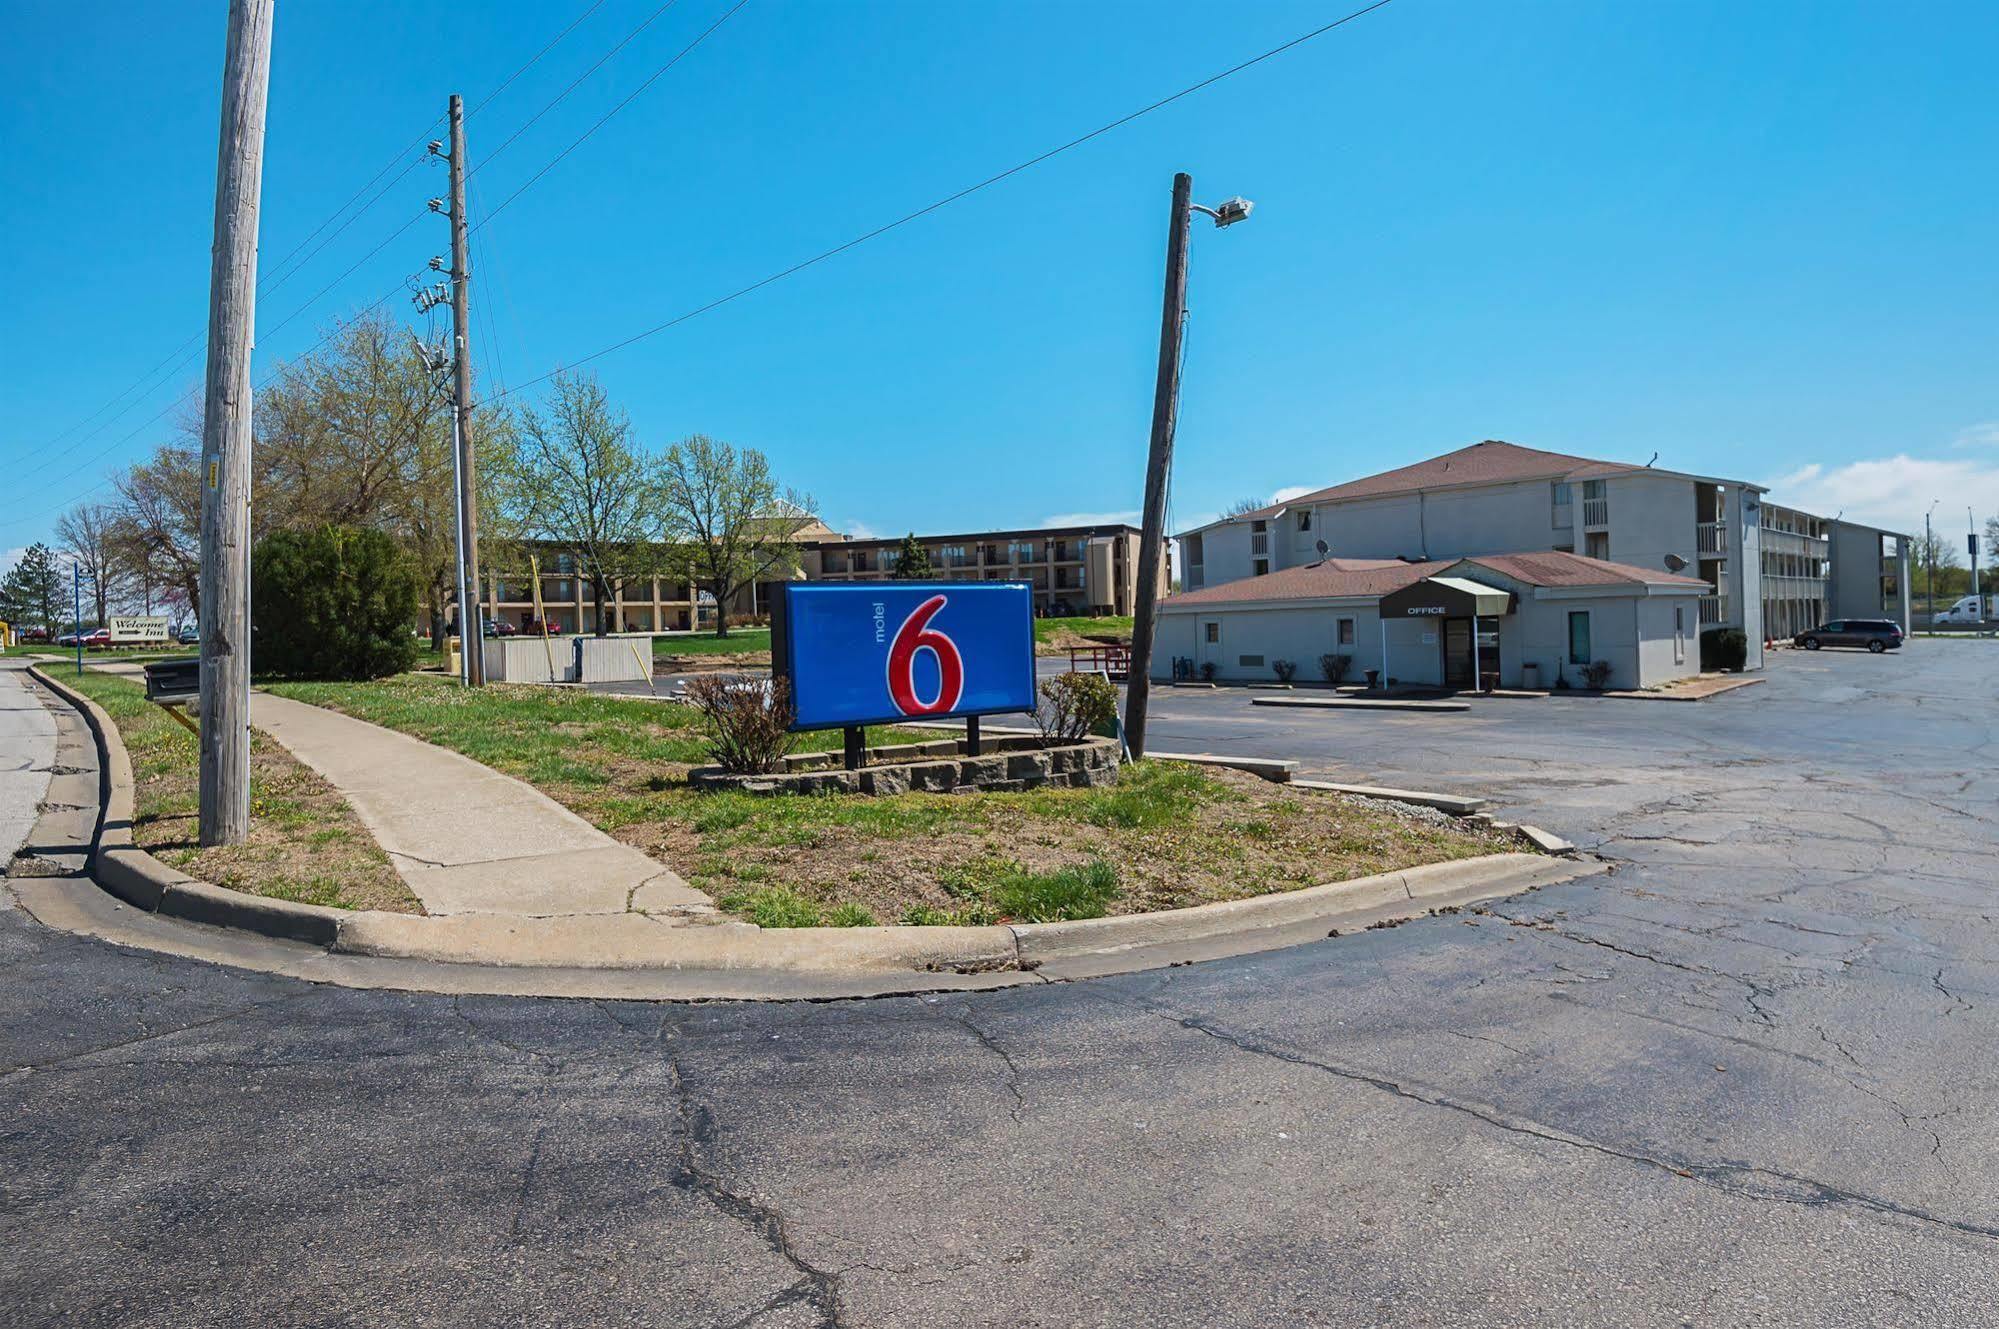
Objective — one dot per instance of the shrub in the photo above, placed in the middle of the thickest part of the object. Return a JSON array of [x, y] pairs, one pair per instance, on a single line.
[[1284, 669], [747, 720], [1335, 667], [1207, 671], [1724, 648], [1075, 706], [338, 602], [1595, 674]]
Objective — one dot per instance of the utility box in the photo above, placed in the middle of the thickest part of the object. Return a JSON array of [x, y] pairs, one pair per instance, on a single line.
[[171, 681]]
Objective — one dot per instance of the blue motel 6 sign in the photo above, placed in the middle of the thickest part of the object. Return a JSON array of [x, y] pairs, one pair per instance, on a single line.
[[876, 652]]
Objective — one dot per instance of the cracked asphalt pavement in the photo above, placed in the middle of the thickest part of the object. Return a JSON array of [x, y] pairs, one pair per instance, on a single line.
[[1747, 1078]]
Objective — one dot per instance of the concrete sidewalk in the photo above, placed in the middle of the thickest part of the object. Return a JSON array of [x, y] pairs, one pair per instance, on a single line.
[[466, 838]]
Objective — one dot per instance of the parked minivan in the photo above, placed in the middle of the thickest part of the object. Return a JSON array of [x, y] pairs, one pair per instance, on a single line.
[[1876, 634]]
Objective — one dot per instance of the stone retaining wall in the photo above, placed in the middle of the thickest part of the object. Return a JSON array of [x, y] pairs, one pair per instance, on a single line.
[[1006, 765]]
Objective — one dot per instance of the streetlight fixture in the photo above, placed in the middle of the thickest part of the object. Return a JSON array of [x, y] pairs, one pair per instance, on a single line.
[[1159, 461]]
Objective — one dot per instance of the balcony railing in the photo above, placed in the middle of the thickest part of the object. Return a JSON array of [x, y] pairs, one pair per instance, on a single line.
[[1711, 537], [1596, 512], [1259, 543], [1714, 609]]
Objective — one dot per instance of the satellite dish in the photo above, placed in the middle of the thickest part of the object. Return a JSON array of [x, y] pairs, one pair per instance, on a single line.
[[1674, 563], [1322, 548]]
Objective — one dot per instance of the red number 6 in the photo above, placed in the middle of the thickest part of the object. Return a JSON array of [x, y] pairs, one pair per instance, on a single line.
[[915, 635]]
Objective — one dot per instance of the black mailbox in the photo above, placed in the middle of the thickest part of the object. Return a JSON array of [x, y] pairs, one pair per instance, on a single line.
[[169, 681]]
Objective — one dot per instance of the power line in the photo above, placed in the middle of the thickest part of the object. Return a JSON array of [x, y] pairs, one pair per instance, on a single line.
[[313, 299], [278, 277], [949, 199], [628, 100], [288, 367], [576, 83]]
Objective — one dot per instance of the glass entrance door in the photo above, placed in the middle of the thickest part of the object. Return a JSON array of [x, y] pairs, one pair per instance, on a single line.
[[1457, 653]]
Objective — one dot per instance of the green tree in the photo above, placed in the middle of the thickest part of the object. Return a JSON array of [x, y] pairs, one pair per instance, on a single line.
[[35, 590], [575, 483], [731, 523], [335, 602], [912, 560]]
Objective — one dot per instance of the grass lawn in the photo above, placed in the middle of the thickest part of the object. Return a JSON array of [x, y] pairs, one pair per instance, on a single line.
[[1054, 636], [1166, 835], [305, 842], [740, 641]]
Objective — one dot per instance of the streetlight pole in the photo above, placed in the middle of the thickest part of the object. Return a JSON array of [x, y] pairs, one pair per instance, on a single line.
[[1159, 459], [1930, 553]]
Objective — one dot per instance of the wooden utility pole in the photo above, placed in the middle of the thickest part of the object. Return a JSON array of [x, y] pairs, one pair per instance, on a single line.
[[1158, 464], [471, 618], [225, 431]]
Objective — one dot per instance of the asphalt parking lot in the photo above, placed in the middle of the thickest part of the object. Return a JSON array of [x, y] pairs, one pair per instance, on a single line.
[[1744, 1079]]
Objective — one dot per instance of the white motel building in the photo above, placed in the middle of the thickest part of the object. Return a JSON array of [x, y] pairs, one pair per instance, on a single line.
[[1516, 567]]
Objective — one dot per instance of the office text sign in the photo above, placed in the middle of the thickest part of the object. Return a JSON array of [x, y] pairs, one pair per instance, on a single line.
[[878, 652], [138, 627]]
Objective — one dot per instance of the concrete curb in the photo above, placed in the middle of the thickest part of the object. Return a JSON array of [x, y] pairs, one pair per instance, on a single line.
[[1361, 704], [142, 881], [1490, 874], [1456, 805], [635, 944]]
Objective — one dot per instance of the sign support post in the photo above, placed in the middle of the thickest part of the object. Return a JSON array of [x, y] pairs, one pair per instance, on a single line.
[[972, 736], [856, 747], [76, 589]]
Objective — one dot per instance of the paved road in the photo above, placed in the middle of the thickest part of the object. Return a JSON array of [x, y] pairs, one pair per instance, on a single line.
[[1747, 1079]]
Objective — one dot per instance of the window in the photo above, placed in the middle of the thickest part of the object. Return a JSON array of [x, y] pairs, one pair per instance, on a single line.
[[1344, 633], [1597, 545], [1213, 631], [1305, 520], [1250, 661], [1593, 489], [1579, 644], [1679, 634], [1562, 493], [1261, 567]]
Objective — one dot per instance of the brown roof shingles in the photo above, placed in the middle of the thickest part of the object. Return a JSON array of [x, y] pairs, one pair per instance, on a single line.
[[1337, 578], [1490, 462]]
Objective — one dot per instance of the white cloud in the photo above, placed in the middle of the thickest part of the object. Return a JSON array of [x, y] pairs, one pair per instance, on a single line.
[[1894, 492], [856, 530], [1289, 492], [1128, 518], [1984, 435]]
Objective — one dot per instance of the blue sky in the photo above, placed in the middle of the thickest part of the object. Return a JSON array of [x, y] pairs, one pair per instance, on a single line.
[[1756, 238]]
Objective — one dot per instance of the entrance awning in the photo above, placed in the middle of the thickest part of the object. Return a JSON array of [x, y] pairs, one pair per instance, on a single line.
[[1446, 597]]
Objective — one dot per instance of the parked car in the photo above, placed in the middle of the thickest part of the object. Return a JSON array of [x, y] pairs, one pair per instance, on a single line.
[[1968, 609], [1875, 634], [189, 635], [34, 634], [97, 639], [499, 627]]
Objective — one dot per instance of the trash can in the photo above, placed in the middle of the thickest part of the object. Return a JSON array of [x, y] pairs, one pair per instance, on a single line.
[[1530, 676], [1373, 677], [453, 655]]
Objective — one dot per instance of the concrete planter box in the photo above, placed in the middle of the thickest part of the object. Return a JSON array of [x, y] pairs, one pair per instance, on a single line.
[[1005, 765]]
